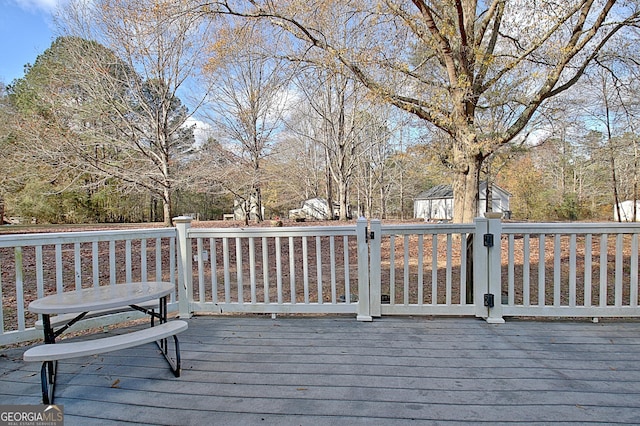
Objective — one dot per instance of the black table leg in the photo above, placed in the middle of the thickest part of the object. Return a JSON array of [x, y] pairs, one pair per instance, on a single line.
[[49, 369]]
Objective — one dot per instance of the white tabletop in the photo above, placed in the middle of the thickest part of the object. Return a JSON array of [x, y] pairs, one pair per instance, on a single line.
[[103, 297]]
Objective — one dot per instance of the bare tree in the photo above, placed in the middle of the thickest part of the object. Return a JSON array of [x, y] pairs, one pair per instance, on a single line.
[[609, 108], [5, 137], [247, 103], [154, 48], [466, 57], [336, 108], [375, 164], [302, 154]]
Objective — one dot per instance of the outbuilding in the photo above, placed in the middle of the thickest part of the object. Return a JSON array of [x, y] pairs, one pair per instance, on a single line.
[[315, 209], [626, 211], [436, 203]]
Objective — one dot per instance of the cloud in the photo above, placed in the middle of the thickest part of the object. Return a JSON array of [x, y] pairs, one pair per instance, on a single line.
[[201, 132], [42, 5]]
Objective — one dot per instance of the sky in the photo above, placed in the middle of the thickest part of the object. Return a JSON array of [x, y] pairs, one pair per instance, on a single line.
[[26, 31]]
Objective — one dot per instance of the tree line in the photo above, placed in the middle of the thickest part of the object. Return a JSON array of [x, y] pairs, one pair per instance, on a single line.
[[140, 111]]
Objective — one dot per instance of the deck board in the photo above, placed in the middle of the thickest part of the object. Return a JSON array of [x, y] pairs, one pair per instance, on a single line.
[[335, 370]]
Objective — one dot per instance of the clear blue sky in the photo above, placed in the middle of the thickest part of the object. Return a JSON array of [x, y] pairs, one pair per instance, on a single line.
[[26, 31]]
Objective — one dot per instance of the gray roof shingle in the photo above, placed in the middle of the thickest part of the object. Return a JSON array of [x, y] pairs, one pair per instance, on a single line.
[[435, 193]]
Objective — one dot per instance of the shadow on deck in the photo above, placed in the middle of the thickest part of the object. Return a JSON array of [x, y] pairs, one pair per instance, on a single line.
[[254, 370]]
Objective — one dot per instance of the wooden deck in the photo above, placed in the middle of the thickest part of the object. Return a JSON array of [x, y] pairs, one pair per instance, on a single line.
[[337, 371]]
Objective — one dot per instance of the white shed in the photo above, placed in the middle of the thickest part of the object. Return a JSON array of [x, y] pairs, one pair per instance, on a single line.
[[437, 203], [314, 209], [626, 211]]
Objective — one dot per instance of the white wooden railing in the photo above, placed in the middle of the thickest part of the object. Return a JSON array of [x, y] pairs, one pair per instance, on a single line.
[[420, 269], [315, 269], [487, 269], [35, 265], [570, 270]]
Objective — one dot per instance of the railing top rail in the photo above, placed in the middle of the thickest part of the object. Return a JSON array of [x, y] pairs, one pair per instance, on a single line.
[[297, 231], [571, 228], [427, 228], [23, 240]]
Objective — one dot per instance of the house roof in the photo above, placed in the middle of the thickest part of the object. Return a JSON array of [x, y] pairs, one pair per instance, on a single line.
[[435, 193]]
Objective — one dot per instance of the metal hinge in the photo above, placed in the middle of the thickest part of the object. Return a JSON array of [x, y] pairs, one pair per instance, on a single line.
[[489, 300]]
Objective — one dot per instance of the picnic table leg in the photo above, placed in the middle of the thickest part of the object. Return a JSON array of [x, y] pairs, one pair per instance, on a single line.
[[48, 373], [162, 307], [49, 369], [174, 364], [49, 333], [163, 343]]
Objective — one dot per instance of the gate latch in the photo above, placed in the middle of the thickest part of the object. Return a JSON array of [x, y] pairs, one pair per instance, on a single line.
[[488, 240], [368, 235]]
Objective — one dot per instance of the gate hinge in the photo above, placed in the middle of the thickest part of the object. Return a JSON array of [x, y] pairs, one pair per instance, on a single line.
[[489, 300]]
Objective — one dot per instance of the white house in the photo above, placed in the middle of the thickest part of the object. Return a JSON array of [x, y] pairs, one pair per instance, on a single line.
[[243, 207], [626, 211], [437, 203], [314, 209]]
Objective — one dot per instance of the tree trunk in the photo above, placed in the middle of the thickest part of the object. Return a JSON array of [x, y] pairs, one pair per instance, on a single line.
[[635, 179], [343, 197], [369, 197], [383, 201], [467, 164], [489, 196], [465, 197], [329, 183], [402, 194], [612, 161], [258, 203], [614, 183], [166, 206]]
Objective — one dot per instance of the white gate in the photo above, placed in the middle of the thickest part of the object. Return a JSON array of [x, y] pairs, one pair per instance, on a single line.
[[419, 269], [422, 269]]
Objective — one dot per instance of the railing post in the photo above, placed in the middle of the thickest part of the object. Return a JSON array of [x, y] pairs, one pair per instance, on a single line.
[[364, 311], [185, 269], [375, 257], [480, 266], [487, 270]]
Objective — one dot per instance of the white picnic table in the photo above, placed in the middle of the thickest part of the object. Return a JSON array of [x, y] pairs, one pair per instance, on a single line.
[[102, 297], [72, 306]]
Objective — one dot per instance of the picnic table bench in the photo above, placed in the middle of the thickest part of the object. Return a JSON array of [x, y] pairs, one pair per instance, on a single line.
[[76, 305]]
